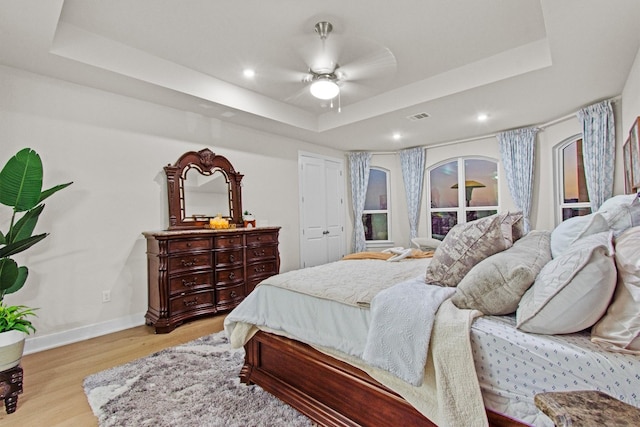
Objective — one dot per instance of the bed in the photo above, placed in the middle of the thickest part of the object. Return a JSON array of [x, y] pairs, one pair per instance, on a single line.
[[325, 377]]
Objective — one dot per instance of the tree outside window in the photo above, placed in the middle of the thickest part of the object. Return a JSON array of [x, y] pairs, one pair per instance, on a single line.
[[376, 207], [461, 190]]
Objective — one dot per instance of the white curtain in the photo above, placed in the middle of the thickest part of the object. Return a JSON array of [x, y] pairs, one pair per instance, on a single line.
[[412, 162], [517, 149], [598, 151], [359, 164]]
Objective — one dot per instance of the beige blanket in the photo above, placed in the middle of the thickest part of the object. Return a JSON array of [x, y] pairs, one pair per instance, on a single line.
[[450, 393]]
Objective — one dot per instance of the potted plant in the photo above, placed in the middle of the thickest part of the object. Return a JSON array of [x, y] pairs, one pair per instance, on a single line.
[[20, 190], [248, 216]]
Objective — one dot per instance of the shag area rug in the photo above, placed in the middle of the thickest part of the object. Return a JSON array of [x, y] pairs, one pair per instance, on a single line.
[[195, 384]]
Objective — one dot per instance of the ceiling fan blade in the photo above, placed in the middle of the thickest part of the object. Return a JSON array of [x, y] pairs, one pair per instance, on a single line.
[[375, 64], [319, 55]]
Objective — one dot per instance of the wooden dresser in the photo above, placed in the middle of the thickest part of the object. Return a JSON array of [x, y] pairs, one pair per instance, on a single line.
[[200, 272]]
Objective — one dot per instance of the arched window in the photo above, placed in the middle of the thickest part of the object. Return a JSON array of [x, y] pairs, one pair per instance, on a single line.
[[461, 190], [375, 216], [571, 184]]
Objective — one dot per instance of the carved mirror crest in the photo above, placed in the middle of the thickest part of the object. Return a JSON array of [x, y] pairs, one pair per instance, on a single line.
[[200, 186]]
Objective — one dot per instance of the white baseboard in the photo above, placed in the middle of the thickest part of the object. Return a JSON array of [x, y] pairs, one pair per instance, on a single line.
[[36, 344]]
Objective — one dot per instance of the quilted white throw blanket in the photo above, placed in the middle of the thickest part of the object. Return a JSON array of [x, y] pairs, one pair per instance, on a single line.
[[402, 317]]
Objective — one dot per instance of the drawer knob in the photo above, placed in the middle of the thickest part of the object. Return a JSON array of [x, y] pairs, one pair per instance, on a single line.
[[191, 283], [258, 253], [191, 263], [233, 294], [191, 303], [188, 244], [232, 258], [232, 275], [259, 269]]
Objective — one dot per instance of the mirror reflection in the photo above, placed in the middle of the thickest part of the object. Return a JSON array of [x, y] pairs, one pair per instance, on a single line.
[[205, 196]]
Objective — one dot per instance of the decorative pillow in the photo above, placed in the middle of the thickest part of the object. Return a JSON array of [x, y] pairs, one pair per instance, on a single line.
[[496, 284], [517, 225], [464, 246], [619, 329], [572, 229], [572, 291], [621, 212]]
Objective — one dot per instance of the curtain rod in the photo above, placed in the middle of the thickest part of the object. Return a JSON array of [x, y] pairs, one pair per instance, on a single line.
[[492, 135]]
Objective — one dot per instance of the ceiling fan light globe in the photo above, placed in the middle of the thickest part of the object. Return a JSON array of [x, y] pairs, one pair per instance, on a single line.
[[324, 89]]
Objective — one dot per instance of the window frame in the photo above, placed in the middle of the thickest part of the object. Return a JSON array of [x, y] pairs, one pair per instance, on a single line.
[[389, 239], [462, 208], [558, 160]]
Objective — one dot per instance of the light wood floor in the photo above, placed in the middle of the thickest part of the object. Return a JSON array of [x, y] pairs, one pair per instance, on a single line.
[[53, 393]]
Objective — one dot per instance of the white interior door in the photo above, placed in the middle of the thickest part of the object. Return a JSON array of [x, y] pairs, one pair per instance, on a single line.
[[321, 210]]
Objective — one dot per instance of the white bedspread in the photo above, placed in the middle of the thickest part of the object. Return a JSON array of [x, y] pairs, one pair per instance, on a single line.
[[353, 282], [401, 321]]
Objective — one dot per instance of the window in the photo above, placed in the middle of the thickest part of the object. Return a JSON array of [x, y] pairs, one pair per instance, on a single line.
[[376, 206], [572, 185], [461, 190]]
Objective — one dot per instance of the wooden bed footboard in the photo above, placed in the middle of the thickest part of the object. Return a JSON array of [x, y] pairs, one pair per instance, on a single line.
[[329, 391]]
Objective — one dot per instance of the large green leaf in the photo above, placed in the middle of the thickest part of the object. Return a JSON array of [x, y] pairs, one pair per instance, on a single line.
[[52, 190], [24, 227], [21, 181], [21, 245], [12, 277]]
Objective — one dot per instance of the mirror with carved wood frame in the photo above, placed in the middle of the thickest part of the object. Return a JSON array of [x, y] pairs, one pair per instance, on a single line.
[[188, 182]]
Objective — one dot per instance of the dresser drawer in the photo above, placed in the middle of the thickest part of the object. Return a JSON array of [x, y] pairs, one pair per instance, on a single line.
[[223, 258], [261, 269], [229, 295], [255, 239], [262, 252], [229, 276], [185, 245], [227, 242], [192, 302], [189, 283], [189, 262]]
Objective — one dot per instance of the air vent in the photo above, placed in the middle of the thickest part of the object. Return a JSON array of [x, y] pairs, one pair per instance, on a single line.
[[419, 116]]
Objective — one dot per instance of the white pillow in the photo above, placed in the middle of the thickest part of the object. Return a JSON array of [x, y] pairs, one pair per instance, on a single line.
[[621, 212], [572, 291], [619, 329], [572, 229]]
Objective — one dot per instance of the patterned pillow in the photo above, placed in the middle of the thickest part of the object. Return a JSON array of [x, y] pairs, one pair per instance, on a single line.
[[619, 329], [572, 291], [466, 245], [496, 284], [517, 225]]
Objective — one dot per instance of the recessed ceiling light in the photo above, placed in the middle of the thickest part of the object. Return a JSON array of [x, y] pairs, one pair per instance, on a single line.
[[249, 73], [482, 117], [397, 136]]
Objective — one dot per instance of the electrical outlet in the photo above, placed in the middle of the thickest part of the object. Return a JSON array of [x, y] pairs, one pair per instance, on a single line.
[[106, 296]]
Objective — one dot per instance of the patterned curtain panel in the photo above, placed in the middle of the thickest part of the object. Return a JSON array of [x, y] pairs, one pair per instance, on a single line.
[[359, 164], [598, 151], [517, 149], [412, 162]]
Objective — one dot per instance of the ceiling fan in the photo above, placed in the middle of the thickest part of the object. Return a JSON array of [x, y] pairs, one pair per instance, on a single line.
[[344, 64]]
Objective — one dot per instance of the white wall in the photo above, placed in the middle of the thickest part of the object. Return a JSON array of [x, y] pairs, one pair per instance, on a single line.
[[114, 149]]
